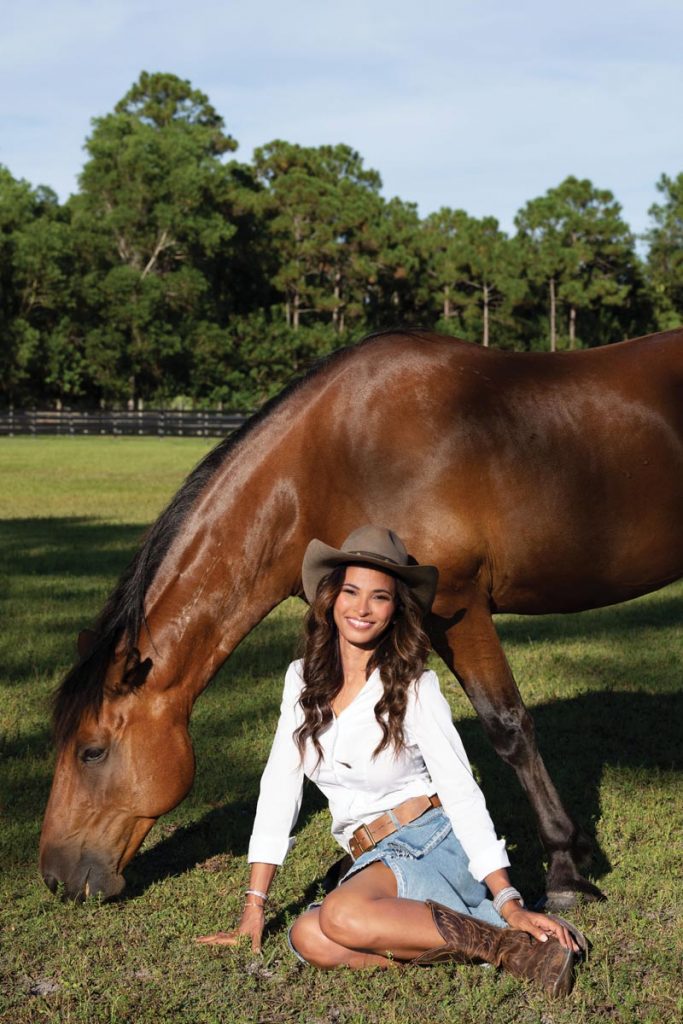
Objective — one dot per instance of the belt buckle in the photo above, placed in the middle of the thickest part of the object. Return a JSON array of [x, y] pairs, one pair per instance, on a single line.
[[371, 841]]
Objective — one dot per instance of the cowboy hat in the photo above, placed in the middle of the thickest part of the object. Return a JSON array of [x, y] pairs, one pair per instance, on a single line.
[[374, 546]]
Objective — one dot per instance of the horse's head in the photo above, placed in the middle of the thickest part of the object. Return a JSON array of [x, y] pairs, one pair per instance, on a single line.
[[125, 758]]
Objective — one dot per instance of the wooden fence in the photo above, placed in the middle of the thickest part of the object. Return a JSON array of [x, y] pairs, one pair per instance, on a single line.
[[147, 422]]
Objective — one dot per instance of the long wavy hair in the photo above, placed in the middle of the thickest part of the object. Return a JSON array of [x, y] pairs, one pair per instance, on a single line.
[[400, 656]]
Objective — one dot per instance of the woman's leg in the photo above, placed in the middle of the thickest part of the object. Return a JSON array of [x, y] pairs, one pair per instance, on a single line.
[[365, 914], [312, 945], [366, 924]]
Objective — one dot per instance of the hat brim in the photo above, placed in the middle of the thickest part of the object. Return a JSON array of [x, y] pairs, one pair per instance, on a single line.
[[320, 559]]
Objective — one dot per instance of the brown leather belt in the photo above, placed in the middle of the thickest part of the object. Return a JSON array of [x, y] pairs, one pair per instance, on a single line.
[[368, 836]]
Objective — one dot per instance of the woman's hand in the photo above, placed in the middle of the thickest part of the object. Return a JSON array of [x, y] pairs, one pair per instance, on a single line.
[[538, 925], [251, 924]]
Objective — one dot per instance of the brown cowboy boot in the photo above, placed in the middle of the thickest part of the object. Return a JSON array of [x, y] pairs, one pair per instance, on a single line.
[[469, 940]]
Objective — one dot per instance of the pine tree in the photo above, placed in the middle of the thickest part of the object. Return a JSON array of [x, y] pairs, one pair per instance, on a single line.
[[151, 212], [576, 245], [665, 258]]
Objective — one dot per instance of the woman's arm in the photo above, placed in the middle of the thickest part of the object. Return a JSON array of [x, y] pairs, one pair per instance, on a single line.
[[281, 785], [253, 916], [276, 813], [429, 724]]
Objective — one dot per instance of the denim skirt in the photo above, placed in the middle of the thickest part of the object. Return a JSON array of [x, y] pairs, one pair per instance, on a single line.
[[429, 863]]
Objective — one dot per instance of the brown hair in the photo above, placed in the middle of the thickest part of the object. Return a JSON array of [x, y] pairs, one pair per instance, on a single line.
[[400, 657]]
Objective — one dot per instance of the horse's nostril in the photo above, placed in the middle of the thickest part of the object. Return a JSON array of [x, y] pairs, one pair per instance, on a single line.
[[51, 882]]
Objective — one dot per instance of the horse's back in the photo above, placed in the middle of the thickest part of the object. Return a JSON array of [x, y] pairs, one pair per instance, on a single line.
[[558, 478]]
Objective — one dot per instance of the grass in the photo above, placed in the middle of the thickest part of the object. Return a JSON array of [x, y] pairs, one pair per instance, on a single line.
[[605, 688]]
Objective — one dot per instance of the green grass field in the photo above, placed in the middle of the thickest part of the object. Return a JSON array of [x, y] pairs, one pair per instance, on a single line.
[[605, 688]]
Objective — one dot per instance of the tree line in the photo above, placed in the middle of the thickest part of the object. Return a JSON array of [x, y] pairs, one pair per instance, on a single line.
[[179, 275]]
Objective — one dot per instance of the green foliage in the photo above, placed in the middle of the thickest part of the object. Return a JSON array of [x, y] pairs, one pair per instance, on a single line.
[[323, 206], [395, 267], [575, 244], [665, 259], [243, 365], [178, 271], [36, 299], [472, 274], [152, 216]]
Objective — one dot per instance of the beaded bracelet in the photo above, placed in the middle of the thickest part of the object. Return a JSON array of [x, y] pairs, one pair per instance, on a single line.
[[257, 892], [509, 893]]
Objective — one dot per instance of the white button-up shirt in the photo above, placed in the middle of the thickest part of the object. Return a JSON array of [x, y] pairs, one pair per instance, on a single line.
[[360, 787]]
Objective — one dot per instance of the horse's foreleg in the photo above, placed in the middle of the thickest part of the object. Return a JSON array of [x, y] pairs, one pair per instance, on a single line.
[[472, 650]]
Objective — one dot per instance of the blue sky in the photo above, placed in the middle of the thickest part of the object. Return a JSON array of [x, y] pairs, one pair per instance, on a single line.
[[479, 105]]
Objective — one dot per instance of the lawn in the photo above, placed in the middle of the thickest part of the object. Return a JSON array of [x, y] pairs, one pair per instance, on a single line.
[[605, 690]]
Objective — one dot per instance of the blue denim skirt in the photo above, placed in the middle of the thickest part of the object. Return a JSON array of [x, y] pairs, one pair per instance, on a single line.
[[429, 863]]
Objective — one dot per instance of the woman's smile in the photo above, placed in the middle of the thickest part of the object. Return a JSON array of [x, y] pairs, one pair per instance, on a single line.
[[365, 605]]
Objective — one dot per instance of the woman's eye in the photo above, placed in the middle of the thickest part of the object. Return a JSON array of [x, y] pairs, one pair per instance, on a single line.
[[93, 754]]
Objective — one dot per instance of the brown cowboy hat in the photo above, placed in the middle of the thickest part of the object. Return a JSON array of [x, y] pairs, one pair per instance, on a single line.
[[374, 546]]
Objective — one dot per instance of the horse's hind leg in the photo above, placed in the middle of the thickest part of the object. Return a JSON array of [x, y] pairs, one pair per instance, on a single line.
[[469, 645]]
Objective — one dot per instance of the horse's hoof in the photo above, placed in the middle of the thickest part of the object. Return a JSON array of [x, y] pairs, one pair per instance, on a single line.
[[565, 899]]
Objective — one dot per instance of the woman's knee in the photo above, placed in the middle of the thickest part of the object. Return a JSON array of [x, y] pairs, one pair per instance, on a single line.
[[345, 920], [310, 942]]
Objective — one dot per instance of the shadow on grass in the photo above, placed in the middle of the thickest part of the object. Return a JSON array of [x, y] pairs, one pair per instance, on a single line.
[[77, 555], [58, 561], [80, 549], [579, 738], [630, 731], [661, 610], [73, 545], [223, 830]]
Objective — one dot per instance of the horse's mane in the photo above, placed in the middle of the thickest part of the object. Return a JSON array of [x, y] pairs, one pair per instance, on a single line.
[[123, 616]]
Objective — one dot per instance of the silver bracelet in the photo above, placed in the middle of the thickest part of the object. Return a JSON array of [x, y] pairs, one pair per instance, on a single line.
[[257, 892], [509, 893]]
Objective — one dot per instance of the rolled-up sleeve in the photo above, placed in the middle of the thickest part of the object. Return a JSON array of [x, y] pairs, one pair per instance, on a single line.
[[430, 726], [281, 784]]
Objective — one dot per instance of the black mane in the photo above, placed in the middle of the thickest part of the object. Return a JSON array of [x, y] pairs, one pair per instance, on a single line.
[[123, 615]]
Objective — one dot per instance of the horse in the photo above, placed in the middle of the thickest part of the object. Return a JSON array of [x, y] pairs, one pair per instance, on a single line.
[[536, 483]]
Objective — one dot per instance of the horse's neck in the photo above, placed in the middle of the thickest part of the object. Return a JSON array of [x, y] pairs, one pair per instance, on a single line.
[[237, 555]]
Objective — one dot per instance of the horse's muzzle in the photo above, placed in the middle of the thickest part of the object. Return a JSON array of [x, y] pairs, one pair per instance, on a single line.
[[77, 881]]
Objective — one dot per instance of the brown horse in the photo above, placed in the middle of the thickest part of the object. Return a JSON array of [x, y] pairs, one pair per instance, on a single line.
[[536, 483]]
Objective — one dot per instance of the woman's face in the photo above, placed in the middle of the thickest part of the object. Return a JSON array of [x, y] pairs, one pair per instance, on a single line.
[[365, 605]]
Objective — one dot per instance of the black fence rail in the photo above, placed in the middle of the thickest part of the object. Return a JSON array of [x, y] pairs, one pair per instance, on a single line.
[[145, 422]]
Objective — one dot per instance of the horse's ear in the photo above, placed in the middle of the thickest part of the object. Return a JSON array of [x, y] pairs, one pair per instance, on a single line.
[[86, 642]]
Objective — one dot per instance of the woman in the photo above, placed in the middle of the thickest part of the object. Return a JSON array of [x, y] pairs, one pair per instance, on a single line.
[[363, 720]]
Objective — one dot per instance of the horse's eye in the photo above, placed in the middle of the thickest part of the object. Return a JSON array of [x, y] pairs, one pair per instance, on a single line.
[[93, 754]]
